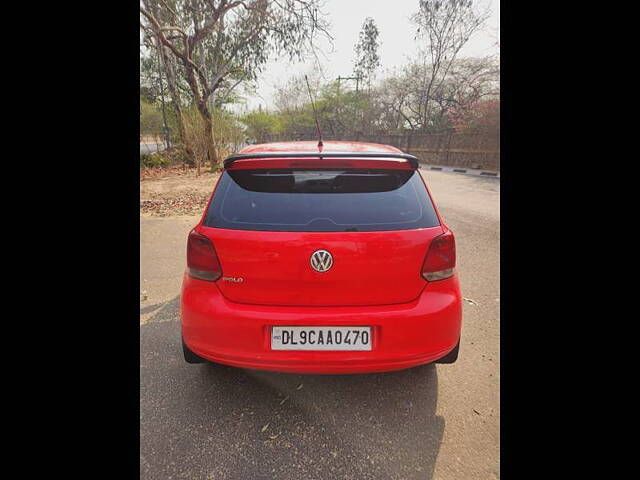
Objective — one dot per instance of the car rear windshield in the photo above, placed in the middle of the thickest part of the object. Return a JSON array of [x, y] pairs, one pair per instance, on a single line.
[[321, 201]]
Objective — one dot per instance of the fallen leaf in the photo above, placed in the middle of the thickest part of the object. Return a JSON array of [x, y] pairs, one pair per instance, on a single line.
[[265, 427]]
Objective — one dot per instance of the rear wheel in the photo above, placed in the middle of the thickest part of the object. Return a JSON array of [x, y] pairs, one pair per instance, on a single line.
[[191, 357], [450, 357]]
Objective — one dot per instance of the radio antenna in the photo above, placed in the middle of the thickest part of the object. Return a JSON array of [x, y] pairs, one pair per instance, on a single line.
[[315, 114]]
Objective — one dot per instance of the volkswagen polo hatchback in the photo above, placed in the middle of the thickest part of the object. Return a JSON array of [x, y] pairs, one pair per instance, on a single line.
[[330, 259]]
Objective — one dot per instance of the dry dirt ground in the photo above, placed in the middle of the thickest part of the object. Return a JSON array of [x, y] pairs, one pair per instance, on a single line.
[[179, 192], [213, 422]]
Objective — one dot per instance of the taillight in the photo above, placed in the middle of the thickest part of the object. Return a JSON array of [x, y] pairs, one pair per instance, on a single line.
[[202, 260], [441, 258]]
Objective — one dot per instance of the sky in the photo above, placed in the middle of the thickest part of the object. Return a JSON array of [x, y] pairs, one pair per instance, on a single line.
[[396, 40]]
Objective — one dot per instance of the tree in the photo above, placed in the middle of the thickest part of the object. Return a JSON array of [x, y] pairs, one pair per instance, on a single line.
[[467, 81], [217, 41], [338, 111], [155, 63], [484, 115], [444, 26], [394, 96], [292, 104], [150, 118], [261, 125], [292, 95], [367, 58], [343, 113]]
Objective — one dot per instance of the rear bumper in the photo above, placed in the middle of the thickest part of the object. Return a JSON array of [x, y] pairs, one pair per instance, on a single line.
[[403, 336]]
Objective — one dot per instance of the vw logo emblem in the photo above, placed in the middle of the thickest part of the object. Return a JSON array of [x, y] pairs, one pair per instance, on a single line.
[[321, 261]]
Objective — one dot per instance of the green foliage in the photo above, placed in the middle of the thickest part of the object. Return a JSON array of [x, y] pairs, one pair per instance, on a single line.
[[227, 132], [172, 123], [231, 43], [151, 160], [218, 48], [367, 58], [465, 96], [260, 125], [147, 94], [339, 111], [177, 156], [344, 110], [150, 118]]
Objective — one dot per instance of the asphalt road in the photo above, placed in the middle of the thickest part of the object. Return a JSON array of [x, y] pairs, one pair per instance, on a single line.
[[216, 422]]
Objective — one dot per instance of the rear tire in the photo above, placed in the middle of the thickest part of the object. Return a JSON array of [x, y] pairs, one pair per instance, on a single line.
[[450, 357], [191, 357]]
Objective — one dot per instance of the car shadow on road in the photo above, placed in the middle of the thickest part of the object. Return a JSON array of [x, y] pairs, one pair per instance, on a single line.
[[213, 420]]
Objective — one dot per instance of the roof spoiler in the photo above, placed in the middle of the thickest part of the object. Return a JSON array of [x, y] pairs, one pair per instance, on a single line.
[[413, 161]]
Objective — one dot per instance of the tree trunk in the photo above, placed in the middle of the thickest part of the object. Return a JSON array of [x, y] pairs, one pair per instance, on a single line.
[[211, 155], [170, 72], [201, 103], [183, 135]]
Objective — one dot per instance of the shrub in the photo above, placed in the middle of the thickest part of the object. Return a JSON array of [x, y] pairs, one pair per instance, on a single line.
[[153, 160], [227, 133], [177, 156], [261, 125], [150, 119]]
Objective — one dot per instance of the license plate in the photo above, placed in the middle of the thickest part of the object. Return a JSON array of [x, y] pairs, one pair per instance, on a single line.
[[321, 338]]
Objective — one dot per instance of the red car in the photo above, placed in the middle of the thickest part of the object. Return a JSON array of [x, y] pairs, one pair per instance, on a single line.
[[329, 259]]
